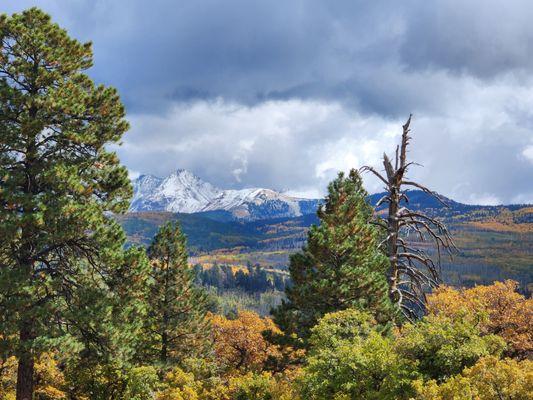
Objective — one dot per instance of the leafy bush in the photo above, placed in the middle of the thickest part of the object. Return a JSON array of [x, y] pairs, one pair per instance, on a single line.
[[180, 385], [352, 357], [497, 309], [442, 347], [240, 344], [489, 379], [141, 383]]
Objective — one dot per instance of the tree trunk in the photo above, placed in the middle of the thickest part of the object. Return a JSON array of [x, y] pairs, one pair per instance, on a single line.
[[26, 363], [164, 348], [392, 245]]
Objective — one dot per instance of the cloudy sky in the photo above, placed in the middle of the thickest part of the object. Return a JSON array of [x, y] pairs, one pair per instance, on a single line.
[[284, 94]]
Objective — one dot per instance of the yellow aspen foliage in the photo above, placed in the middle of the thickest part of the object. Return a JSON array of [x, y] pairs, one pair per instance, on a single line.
[[8, 378], [489, 379], [253, 385], [256, 386], [48, 378], [240, 344], [180, 385], [496, 309]]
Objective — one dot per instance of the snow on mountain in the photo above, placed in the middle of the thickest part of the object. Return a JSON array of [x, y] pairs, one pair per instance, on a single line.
[[181, 191], [184, 192]]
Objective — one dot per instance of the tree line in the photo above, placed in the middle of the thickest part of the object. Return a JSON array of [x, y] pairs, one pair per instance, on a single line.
[[252, 279]]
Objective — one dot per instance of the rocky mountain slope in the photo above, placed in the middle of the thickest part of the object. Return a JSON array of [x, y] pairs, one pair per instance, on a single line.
[[184, 192]]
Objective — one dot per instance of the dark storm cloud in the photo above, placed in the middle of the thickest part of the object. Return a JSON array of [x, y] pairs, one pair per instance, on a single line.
[[284, 93], [249, 51], [483, 38], [241, 50]]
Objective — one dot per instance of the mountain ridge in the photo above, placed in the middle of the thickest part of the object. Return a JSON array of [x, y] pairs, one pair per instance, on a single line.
[[184, 192]]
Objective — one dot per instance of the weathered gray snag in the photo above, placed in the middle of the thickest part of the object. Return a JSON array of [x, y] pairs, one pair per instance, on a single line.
[[412, 271]]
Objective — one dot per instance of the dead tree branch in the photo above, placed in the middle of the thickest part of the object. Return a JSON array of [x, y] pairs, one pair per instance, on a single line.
[[412, 271]]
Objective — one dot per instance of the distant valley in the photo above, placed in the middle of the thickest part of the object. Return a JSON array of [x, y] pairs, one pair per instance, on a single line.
[[261, 226]]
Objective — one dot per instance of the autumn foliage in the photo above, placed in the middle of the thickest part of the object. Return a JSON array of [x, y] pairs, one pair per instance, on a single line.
[[490, 378], [240, 344], [496, 309], [49, 378]]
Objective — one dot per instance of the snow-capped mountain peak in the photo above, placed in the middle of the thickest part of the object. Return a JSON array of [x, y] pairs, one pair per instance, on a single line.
[[184, 192]]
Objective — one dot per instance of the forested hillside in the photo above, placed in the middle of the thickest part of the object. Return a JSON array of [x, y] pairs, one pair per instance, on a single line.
[[494, 242]]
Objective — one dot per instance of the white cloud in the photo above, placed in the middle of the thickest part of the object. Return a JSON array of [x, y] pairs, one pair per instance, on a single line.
[[281, 144], [305, 193], [300, 145], [484, 198], [318, 87], [133, 174], [528, 153]]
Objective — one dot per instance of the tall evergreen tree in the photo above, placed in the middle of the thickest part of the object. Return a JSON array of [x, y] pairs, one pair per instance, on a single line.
[[341, 266], [177, 326], [59, 249]]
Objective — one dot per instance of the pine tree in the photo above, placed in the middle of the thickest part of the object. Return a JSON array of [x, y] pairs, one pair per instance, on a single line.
[[60, 252], [177, 308], [341, 266]]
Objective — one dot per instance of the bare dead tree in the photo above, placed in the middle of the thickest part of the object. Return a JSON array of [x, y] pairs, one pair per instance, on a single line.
[[412, 271]]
